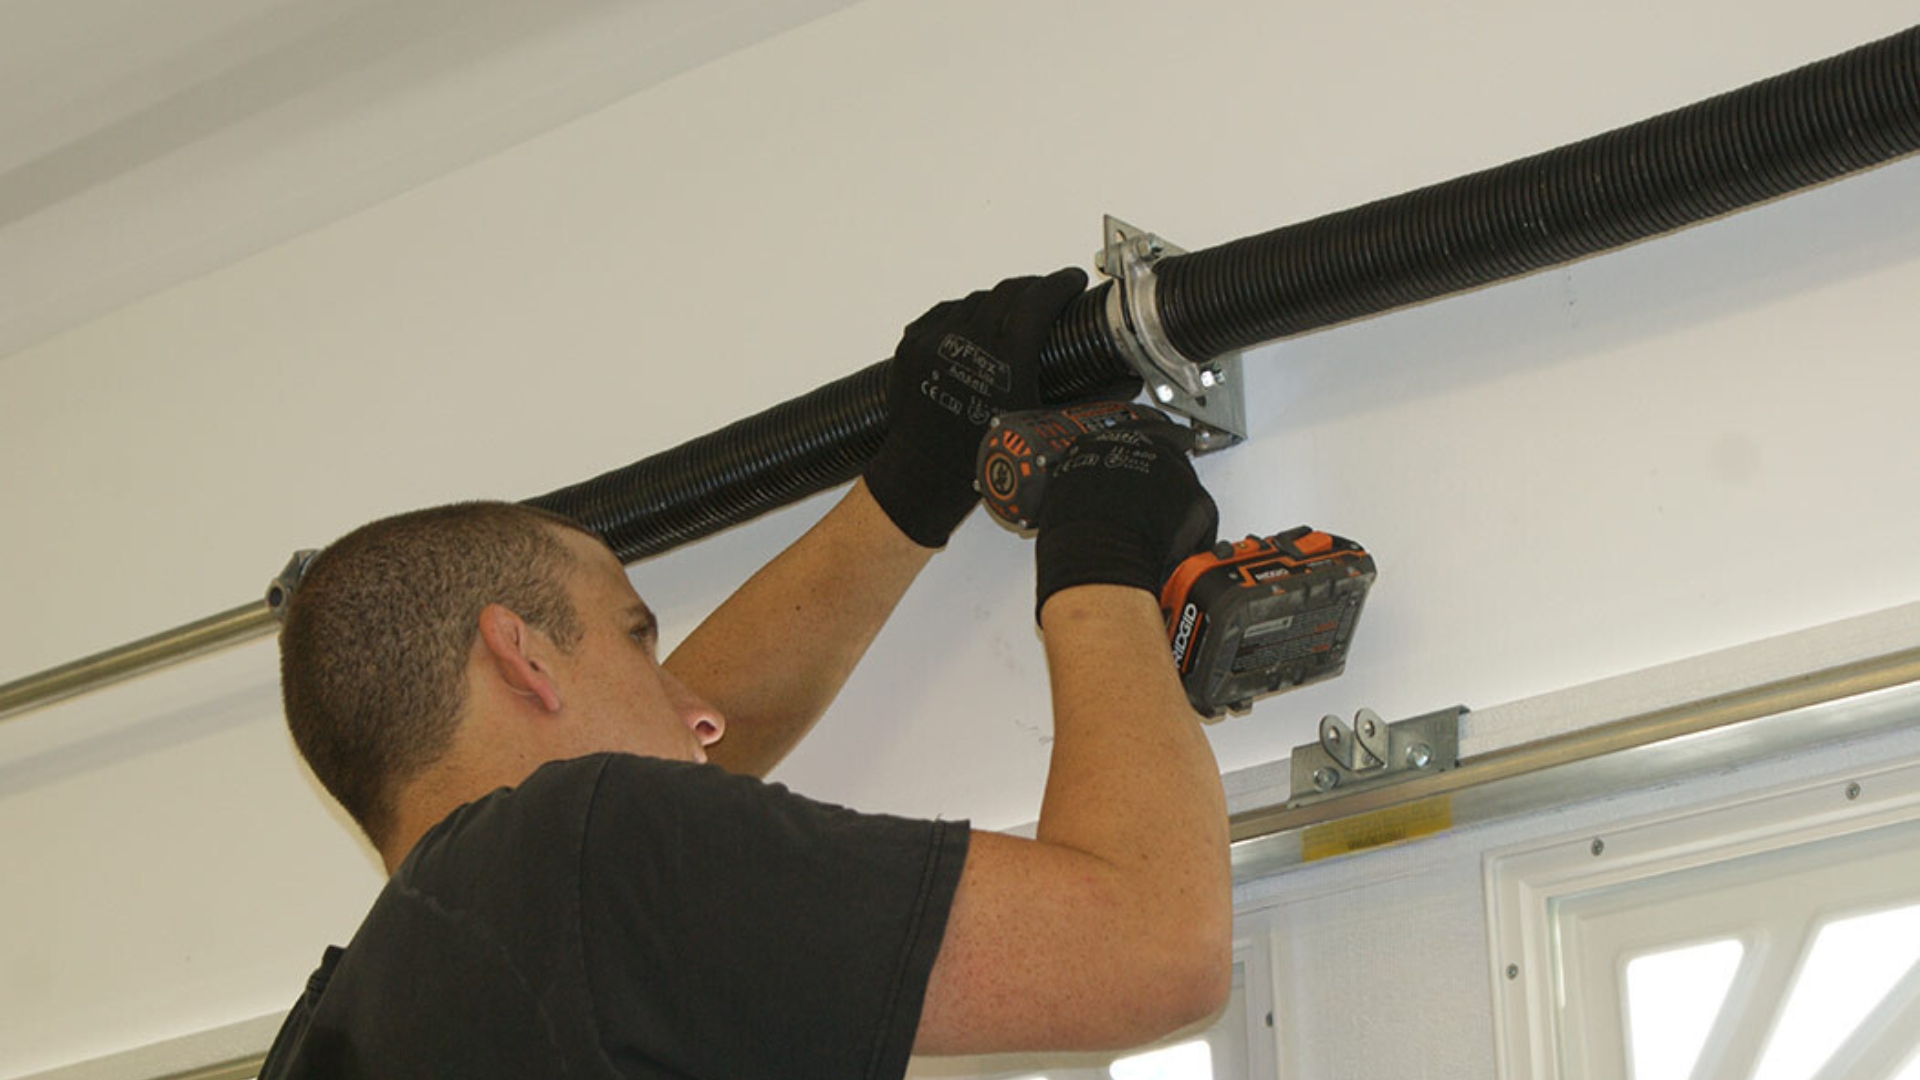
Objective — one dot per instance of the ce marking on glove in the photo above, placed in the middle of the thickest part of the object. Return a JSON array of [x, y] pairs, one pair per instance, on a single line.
[[970, 408]]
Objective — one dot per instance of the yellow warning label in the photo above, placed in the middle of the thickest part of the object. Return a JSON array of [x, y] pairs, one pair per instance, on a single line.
[[1377, 829]]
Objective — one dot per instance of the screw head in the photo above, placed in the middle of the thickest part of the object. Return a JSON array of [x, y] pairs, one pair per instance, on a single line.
[[1513, 971], [1599, 846], [1325, 779], [1419, 755], [1853, 791]]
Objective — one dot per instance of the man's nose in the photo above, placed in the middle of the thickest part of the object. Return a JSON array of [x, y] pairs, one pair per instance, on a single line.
[[701, 718]]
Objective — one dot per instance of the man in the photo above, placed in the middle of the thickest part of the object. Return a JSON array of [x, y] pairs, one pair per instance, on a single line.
[[587, 877]]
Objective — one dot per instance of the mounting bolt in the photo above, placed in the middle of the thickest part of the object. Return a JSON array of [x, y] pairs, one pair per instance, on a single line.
[[1325, 779], [1513, 971], [1367, 728], [1164, 393], [1853, 791], [1419, 756], [1599, 846]]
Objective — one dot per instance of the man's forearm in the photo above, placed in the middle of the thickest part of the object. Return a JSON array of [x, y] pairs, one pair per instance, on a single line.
[[1133, 779], [773, 656], [1124, 732], [1115, 925]]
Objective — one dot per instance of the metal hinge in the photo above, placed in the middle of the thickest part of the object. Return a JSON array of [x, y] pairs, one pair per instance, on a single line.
[[1373, 753]]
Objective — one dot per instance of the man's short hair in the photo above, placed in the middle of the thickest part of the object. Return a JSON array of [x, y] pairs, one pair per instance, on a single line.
[[373, 655]]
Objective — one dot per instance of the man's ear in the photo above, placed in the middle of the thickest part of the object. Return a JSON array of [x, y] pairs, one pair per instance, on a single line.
[[509, 645]]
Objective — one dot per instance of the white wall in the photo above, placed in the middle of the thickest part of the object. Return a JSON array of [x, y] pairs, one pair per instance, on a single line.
[[1700, 441]]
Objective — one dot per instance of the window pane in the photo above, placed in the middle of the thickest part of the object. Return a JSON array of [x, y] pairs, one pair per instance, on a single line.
[[1187, 1061], [1852, 965], [1672, 1000]]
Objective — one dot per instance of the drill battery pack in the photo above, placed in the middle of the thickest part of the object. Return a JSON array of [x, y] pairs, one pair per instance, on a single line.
[[1263, 615]]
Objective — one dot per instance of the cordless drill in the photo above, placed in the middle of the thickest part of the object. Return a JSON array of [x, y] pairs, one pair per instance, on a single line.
[[1244, 619]]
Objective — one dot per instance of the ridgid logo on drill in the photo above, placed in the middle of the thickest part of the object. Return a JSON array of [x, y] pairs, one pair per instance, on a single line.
[[1184, 635]]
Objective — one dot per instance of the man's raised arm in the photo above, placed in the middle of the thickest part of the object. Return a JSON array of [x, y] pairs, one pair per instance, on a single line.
[[773, 657], [1114, 925]]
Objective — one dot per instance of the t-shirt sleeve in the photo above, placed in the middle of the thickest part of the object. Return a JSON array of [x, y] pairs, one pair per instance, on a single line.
[[732, 928]]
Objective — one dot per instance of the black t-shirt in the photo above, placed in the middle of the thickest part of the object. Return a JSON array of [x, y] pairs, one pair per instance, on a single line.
[[619, 916]]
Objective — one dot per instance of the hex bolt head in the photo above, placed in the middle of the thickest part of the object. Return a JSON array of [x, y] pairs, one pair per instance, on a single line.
[[1419, 756]]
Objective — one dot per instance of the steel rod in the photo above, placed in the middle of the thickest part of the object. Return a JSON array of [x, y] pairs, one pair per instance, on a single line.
[[207, 635], [1709, 732]]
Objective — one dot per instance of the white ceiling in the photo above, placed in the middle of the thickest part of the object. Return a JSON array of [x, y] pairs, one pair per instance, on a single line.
[[143, 142]]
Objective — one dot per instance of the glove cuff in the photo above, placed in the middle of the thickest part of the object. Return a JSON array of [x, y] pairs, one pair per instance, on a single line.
[[1092, 553], [922, 503]]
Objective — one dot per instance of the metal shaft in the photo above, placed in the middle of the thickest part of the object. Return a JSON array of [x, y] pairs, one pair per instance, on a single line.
[[169, 647]]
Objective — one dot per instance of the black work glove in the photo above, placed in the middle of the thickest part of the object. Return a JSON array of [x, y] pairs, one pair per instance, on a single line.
[[958, 366], [1123, 507]]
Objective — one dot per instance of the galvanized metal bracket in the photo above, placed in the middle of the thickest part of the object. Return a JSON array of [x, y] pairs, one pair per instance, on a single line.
[[1373, 753], [1207, 393]]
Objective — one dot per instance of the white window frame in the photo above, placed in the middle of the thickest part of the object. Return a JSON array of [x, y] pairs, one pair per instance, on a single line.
[[1525, 884]]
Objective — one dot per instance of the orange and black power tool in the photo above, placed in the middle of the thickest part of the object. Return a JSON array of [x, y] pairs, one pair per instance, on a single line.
[[1244, 619]]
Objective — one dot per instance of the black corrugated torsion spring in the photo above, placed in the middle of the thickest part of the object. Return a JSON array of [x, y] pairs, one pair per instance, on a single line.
[[1834, 117]]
